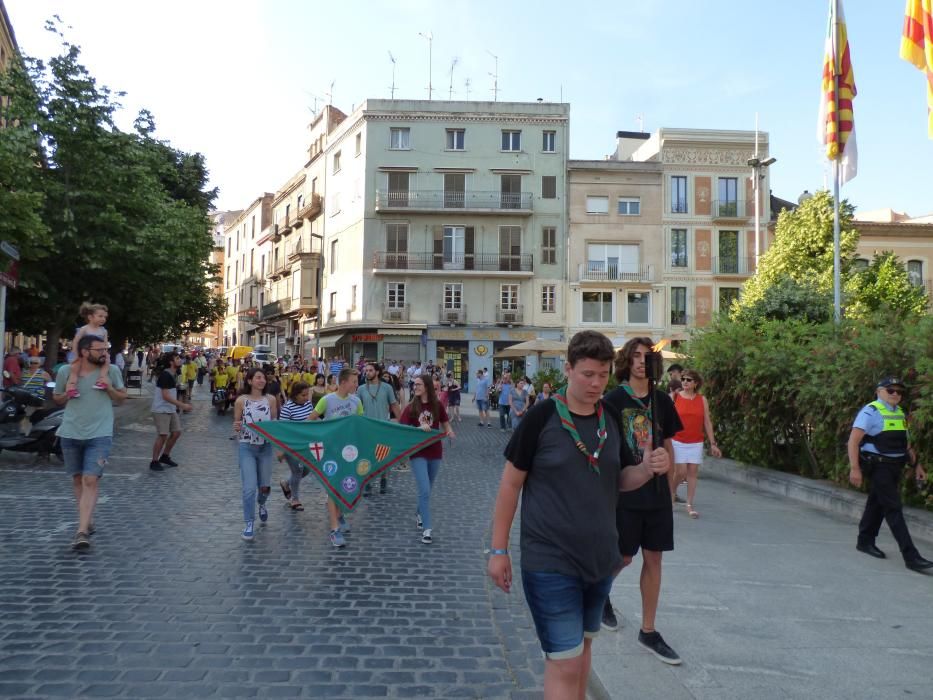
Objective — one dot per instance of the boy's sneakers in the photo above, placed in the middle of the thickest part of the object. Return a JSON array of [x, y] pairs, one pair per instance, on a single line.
[[72, 393], [248, 531], [610, 621], [343, 525], [81, 541], [263, 514], [426, 537], [168, 461], [156, 466], [336, 538], [654, 642]]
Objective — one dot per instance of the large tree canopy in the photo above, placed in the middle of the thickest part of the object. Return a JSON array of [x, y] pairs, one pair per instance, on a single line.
[[100, 214]]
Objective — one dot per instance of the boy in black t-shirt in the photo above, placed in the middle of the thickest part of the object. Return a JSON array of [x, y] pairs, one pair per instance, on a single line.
[[644, 517], [564, 461]]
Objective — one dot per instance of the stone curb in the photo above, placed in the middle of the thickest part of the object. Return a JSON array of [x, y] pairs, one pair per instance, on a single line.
[[817, 493]]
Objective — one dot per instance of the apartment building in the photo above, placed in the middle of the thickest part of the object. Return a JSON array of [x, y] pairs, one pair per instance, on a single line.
[[617, 251], [246, 245], [443, 230], [910, 238]]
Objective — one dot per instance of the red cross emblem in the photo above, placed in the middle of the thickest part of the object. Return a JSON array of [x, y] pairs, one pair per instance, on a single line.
[[317, 449]]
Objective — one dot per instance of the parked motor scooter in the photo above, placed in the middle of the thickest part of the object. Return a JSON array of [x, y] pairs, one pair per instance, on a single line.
[[29, 423]]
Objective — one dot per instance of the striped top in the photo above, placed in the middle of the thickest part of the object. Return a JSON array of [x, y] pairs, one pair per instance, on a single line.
[[34, 383], [296, 412]]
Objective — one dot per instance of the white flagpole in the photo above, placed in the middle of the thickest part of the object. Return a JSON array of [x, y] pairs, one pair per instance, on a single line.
[[837, 293]]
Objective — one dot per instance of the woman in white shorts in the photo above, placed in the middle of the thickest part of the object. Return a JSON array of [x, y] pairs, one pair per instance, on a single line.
[[693, 410]]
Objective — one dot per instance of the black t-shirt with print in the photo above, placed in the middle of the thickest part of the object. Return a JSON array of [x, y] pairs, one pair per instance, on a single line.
[[166, 380], [636, 429], [568, 522]]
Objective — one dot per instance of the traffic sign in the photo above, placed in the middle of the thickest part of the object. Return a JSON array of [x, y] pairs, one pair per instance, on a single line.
[[10, 249]]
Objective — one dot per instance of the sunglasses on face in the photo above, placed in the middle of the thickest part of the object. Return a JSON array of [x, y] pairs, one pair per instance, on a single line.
[[895, 392], [686, 379]]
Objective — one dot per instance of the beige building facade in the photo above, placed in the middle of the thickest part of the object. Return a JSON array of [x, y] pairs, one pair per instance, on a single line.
[[910, 238], [246, 246], [8, 46]]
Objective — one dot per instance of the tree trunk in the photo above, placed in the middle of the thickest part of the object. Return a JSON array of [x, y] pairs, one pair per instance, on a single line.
[[52, 339]]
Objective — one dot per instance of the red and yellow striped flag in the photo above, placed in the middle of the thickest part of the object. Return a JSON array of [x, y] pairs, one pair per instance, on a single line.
[[917, 46], [837, 121]]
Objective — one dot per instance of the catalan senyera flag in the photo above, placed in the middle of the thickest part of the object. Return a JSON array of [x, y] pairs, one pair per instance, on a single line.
[[837, 119], [917, 46]]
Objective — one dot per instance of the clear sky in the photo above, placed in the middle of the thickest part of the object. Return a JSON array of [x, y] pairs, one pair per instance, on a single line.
[[237, 80]]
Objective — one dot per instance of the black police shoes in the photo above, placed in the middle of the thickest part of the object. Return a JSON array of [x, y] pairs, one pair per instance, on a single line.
[[871, 550], [919, 564]]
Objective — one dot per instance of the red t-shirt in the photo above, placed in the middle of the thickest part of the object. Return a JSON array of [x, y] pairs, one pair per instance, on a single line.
[[691, 416], [435, 451]]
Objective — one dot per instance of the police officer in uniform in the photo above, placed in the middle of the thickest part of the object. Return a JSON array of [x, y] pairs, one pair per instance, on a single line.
[[879, 449]]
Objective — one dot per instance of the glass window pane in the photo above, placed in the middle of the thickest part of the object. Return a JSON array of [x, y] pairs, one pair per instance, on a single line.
[[639, 307]]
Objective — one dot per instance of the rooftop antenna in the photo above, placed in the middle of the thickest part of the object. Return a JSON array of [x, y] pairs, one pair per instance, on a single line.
[[640, 120], [392, 89], [330, 93], [430, 37], [453, 64], [495, 77], [466, 84]]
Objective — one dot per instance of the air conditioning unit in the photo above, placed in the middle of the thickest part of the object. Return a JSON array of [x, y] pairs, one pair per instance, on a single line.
[[509, 317], [394, 315]]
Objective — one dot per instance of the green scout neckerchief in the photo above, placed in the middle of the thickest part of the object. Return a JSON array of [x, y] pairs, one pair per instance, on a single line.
[[631, 392], [566, 420]]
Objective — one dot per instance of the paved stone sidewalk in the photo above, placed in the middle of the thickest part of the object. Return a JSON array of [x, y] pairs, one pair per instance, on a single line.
[[171, 603]]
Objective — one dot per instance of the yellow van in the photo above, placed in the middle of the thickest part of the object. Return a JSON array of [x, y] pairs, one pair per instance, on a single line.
[[238, 352]]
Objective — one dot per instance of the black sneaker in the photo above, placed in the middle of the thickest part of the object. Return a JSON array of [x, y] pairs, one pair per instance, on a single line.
[[168, 461], [654, 642], [156, 466], [610, 621]]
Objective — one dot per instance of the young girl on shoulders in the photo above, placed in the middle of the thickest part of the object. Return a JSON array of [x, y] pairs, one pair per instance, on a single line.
[[95, 316]]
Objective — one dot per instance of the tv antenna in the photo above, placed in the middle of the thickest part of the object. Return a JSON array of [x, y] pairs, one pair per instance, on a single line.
[[495, 77], [453, 64], [466, 84], [430, 37], [640, 120], [330, 93], [392, 89]]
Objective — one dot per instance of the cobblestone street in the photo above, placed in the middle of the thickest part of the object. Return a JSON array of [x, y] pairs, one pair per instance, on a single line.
[[170, 602]]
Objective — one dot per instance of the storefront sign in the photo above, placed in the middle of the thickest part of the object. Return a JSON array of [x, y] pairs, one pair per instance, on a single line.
[[503, 334], [367, 338]]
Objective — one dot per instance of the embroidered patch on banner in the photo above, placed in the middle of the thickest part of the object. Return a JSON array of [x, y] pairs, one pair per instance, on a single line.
[[349, 484], [317, 450], [363, 467], [330, 467], [382, 451], [350, 453]]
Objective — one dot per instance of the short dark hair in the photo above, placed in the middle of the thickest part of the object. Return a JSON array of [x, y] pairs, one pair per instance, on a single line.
[[87, 341], [675, 368], [624, 356], [589, 345], [296, 389]]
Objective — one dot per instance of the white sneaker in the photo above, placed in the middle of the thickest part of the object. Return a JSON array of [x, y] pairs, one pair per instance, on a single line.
[[426, 537]]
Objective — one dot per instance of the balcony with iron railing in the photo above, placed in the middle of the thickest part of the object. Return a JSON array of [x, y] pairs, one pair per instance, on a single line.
[[474, 202], [452, 317], [509, 315], [396, 313], [623, 272], [303, 248], [732, 209], [734, 265], [489, 263], [279, 307], [312, 207]]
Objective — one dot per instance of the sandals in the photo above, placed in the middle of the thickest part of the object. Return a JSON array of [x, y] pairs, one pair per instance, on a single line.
[[691, 511], [296, 506], [286, 489]]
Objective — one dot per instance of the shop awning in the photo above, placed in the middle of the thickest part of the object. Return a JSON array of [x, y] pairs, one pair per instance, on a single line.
[[400, 331], [327, 341]]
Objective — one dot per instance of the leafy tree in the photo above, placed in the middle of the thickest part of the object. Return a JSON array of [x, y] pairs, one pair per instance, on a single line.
[[126, 215], [803, 249], [785, 300], [884, 286]]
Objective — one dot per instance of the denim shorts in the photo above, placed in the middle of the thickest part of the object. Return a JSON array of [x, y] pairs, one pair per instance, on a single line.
[[482, 405], [565, 610], [86, 457]]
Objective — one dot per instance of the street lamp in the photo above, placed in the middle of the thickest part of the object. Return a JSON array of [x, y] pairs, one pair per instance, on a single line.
[[756, 164]]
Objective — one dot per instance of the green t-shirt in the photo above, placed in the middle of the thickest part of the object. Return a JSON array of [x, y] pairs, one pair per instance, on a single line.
[[332, 406], [91, 414], [377, 402]]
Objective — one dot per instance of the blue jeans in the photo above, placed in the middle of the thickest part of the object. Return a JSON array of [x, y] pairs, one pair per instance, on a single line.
[[86, 457], [425, 471], [565, 609], [504, 409], [256, 475], [298, 472]]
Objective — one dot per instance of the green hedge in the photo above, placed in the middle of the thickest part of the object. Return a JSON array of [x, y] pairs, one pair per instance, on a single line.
[[783, 394]]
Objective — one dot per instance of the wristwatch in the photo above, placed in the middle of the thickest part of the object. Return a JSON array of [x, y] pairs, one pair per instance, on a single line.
[[494, 552]]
